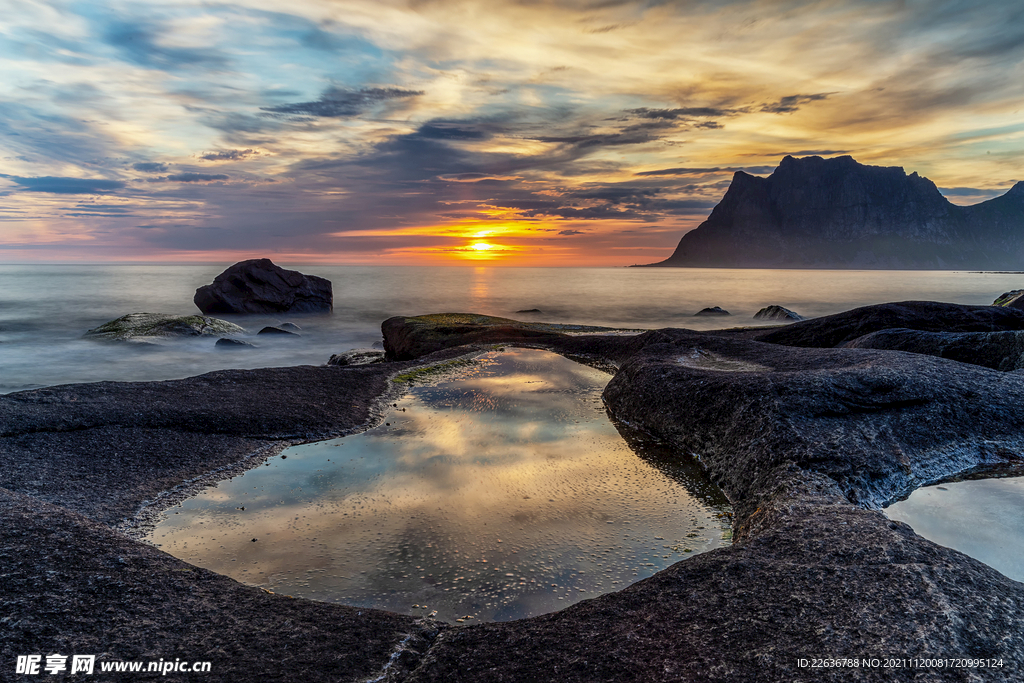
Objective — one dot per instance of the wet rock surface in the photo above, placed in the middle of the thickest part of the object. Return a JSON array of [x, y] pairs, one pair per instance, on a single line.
[[928, 316], [412, 337], [1011, 299], [806, 442], [357, 357], [74, 586], [260, 286], [997, 350], [142, 326]]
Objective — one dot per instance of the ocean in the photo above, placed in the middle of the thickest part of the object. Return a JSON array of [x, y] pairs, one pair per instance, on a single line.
[[45, 309]]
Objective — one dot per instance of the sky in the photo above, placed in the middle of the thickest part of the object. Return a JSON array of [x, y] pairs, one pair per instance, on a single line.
[[448, 132]]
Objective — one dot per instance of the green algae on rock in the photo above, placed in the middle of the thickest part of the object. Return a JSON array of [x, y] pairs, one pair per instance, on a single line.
[[140, 325]]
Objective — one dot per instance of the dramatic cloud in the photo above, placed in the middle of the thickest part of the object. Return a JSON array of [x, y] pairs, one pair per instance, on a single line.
[[565, 132], [341, 103], [755, 170]]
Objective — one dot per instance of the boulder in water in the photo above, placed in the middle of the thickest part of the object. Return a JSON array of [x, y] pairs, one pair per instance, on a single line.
[[227, 344], [259, 286], [714, 310], [277, 330], [777, 313], [140, 326]]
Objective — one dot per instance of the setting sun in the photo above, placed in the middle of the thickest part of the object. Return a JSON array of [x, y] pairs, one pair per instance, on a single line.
[[483, 246]]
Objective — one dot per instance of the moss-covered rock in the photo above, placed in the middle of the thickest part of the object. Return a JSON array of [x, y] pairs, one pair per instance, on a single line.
[[1011, 299], [139, 326]]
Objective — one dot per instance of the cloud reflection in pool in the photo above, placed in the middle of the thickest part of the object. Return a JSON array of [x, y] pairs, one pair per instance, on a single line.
[[501, 494], [983, 518]]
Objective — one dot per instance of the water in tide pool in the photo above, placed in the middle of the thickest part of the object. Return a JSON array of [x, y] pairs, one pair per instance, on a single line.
[[503, 493], [983, 518], [45, 309]]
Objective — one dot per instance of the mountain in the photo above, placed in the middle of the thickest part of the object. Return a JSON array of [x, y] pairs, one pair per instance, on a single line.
[[837, 213]]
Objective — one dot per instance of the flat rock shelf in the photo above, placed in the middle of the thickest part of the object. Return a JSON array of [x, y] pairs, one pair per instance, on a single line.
[[501, 492]]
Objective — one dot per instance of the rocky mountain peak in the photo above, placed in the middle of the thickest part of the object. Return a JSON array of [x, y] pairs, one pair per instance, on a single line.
[[838, 213]]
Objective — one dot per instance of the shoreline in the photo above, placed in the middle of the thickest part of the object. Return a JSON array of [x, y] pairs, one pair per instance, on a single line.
[[803, 520]]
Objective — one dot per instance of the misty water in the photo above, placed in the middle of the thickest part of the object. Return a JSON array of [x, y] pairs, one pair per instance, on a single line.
[[983, 518], [45, 309], [501, 493]]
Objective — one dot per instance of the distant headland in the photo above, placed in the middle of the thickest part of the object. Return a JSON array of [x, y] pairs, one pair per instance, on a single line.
[[837, 213]]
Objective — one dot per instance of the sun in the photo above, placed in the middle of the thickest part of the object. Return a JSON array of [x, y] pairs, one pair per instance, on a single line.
[[482, 246]]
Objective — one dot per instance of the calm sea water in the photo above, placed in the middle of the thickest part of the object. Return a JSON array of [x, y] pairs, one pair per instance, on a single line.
[[45, 309]]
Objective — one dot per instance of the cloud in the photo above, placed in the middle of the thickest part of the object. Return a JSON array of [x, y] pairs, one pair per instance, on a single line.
[[685, 171], [150, 166], [683, 112], [229, 155], [473, 177], [570, 232], [139, 41], [806, 153], [190, 177], [342, 103], [58, 185], [791, 103]]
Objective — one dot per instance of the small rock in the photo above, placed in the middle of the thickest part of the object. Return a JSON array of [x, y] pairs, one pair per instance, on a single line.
[[777, 313], [529, 310], [275, 330], [357, 357], [290, 326], [716, 310], [230, 344]]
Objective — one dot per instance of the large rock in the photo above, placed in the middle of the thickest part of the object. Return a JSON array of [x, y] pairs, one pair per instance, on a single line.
[[929, 316], [837, 213], [259, 286], [142, 326], [997, 350]]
